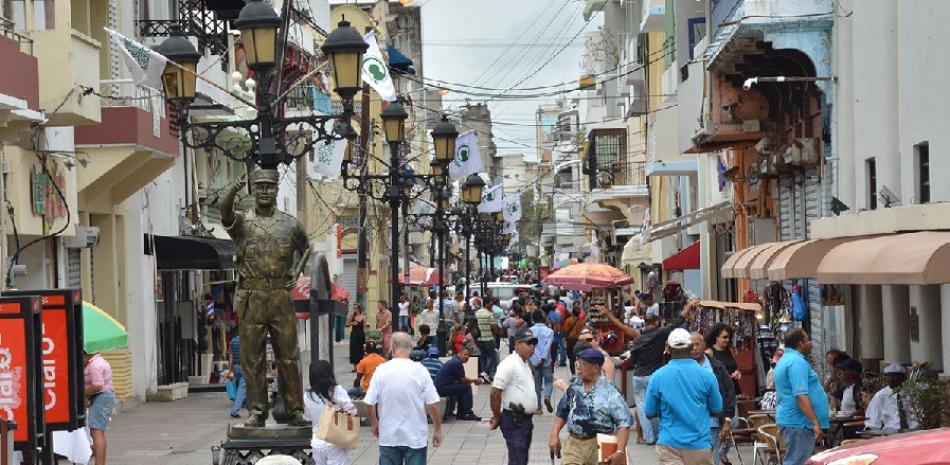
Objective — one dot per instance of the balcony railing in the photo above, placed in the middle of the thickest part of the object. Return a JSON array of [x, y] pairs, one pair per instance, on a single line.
[[212, 33], [8, 28], [608, 161], [121, 93]]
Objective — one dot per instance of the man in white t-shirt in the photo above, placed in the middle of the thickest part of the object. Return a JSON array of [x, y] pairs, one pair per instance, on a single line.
[[403, 313], [401, 393], [513, 399]]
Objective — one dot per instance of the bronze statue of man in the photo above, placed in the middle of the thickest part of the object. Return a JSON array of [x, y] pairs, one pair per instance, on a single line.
[[268, 242]]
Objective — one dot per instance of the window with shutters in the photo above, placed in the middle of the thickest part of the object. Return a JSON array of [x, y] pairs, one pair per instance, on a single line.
[[871, 173], [922, 171]]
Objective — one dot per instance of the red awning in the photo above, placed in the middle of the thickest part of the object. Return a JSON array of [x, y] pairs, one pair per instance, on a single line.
[[686, 259]]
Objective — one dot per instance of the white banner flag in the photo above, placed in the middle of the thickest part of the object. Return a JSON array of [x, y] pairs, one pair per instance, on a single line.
[[327, 159], [468, 159], [510, 227], [145, 65], [491, 200], [376, 71], [512, 208]]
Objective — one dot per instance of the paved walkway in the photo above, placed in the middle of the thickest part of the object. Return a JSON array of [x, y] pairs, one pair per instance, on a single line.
[[182, 433]]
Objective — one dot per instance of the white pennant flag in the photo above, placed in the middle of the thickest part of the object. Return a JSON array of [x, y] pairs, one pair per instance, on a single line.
[[376, 71], [491, 200], [468, 159], [510, 227], [512, 208], [327, 159], [145, 65]]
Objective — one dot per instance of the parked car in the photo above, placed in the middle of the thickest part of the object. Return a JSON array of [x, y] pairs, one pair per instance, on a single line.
[[506, 292], [928, 447]]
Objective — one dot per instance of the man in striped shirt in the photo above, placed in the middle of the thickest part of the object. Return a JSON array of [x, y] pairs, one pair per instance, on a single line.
[[486, 340], [432, 362]]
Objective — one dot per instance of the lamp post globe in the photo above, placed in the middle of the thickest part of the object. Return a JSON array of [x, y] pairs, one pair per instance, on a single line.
[[472, 189], [444, 135], [345, 47], [258, 23], [179, 77], [394, 117]]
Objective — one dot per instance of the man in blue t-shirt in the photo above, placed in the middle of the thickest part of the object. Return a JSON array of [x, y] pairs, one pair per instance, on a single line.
[[802, 410], [451, 382], [684, 396]]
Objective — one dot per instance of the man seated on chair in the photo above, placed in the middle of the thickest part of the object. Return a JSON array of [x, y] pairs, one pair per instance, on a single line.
[[883, 412], [451, 382]]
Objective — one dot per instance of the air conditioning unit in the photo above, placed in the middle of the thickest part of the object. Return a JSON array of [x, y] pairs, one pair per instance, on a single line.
[[85, 238]]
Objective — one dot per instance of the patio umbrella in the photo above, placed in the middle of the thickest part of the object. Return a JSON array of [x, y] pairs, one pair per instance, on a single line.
[[587, 276], [100, 331], [421, 276]]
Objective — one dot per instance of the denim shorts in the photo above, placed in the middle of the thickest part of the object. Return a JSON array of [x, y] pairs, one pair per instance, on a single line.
[[100, 410]]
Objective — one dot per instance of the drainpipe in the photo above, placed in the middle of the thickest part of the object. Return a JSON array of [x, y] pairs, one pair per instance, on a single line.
[[756, 80]]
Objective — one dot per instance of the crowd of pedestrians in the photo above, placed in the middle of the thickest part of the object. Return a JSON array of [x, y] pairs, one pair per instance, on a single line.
[[684, 384]]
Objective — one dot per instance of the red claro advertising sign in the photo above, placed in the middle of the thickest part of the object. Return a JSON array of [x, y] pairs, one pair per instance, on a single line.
[[17, 362], [60, 357], [13, 378], [55, 349]]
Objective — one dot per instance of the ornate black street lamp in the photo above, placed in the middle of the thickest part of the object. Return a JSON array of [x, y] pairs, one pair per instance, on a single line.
[[466, 215], [401, 185], [267, 133]]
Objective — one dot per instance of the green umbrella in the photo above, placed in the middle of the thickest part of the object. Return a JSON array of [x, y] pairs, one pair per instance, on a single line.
[[100, 330]]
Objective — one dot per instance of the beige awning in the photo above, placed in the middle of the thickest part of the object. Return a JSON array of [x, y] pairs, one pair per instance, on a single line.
[[737, 266], [635, 252], [919, 258], [758, 268], [800, 260], [749, 307]]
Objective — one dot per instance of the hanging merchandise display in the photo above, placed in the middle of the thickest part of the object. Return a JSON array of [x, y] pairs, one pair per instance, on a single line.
[[798, 306]]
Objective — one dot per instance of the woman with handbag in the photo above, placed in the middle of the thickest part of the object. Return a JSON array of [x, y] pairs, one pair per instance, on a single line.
[[326, 393]]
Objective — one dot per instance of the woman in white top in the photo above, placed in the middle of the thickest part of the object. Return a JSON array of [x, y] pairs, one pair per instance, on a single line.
[[323, 388]]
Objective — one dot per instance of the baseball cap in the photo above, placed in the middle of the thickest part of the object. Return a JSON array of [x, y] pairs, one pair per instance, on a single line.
[[528, 336], [591, 356], [433, 352], [895, 369], [679, 339]]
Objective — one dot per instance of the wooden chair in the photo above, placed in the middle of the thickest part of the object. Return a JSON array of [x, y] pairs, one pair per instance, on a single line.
[[769, 444]]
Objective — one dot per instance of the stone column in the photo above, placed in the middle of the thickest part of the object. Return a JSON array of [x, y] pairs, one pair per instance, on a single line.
[[870, 322], [925, 300], [896, 307], [945, 325]]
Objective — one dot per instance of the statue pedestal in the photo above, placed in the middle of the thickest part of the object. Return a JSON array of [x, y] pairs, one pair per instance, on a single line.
[[245, 446]]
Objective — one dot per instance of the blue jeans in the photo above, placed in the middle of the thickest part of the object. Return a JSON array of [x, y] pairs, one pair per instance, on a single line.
[[240, 393], [799, 443], [649, 427], [404, 323], [401, 455], [562, 352], [488, 358], [716, 444], [544, 373]]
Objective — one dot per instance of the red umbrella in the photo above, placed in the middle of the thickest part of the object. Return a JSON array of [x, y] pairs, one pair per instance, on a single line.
[[587, 276]]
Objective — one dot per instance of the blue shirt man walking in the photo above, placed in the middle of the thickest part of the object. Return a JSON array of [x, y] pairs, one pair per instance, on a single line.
[[684, 395], [802, 410], [541, 361]]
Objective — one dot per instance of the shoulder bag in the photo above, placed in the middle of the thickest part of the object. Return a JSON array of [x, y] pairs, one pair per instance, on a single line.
[[338, 428]]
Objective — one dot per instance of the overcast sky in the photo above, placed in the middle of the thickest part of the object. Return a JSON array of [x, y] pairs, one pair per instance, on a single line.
[[497, 43]]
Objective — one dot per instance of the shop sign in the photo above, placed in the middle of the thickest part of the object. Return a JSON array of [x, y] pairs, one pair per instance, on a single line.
[[45, 199], [61, 357]]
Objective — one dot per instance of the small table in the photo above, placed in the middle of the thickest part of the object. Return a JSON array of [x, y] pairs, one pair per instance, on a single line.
[[770, 413], [877, 433], [838, 425]]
